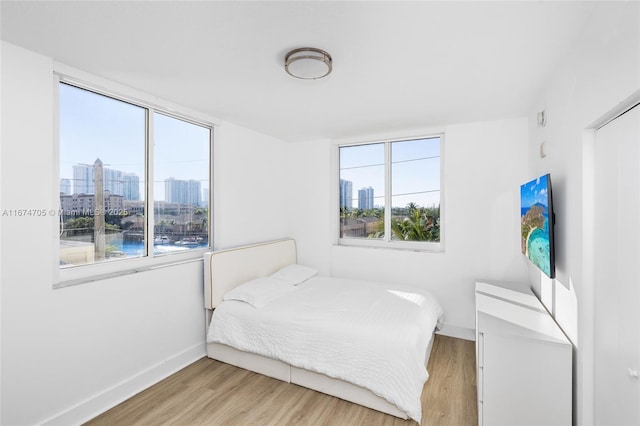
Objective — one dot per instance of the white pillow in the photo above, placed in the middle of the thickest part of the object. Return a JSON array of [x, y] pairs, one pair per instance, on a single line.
[[295, 274], [260, 291]]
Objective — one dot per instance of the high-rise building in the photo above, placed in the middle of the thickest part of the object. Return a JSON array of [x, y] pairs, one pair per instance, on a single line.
[[182, 191], [205, 197], [130, 186], [83, 180], [65, 186], [346, 194], [365, 198], [113, 181]]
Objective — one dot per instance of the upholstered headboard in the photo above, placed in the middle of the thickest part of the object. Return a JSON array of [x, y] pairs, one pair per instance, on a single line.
[[226, 269]]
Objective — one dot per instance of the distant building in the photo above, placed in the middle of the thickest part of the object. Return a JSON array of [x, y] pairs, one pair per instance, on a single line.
[[85, 204], [365, 198], [182, 191], [130, 186], [134, 207], [346, 194], [359, 228], [65, 186], [83, 179], [115, 181], [205, 197]]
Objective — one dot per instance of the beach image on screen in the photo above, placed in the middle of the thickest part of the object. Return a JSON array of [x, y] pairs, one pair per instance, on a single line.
[[534, 198]]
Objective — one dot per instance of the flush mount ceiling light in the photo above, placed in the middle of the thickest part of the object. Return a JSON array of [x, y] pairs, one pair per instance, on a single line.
[[308, 63]]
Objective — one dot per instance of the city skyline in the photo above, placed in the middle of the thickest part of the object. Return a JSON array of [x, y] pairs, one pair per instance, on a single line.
[[346, 194], [365, 198], [182, 191], [415, 171], [87, 132], [117, 182]]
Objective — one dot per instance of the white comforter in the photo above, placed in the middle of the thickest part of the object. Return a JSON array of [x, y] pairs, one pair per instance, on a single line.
[[370, 334]]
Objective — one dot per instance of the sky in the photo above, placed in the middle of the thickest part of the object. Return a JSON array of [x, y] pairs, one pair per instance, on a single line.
[[534, 192], [94, 126], [415, 171]]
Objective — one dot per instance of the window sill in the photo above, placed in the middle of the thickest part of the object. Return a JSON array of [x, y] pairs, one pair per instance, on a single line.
[[423, 247], [84, 274]]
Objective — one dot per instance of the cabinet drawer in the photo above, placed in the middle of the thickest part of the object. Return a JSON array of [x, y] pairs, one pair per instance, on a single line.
[[523, 361]]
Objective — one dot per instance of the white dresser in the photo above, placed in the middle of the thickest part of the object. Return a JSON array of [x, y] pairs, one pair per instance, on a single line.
[[523, 359]]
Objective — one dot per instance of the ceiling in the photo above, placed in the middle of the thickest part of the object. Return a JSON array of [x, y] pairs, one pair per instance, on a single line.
[[397, 65]]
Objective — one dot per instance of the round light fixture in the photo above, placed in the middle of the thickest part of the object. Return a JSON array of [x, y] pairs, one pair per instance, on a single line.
[[308, 63]]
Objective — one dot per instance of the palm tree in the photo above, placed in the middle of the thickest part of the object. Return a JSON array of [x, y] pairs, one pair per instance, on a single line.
[[344, 212], [379, 228], [374, 212], [200, 211], [419, 224], [356, 213]]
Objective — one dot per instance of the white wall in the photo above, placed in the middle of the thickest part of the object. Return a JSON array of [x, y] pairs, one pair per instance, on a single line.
[[484, 164], [309, 204], [1, 207], [600, 71], [70, 353], [249, 188]]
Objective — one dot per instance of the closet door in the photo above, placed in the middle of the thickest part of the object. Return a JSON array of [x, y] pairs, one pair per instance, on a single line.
[[617, 271]]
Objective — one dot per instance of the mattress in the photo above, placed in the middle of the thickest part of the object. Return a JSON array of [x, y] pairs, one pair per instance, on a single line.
[[370, 334]]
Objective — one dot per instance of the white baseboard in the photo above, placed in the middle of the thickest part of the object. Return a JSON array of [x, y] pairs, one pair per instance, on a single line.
[[458, 332], [120, 392]]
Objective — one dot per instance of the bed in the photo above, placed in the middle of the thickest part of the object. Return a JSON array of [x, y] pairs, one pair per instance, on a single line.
[[267, 314]]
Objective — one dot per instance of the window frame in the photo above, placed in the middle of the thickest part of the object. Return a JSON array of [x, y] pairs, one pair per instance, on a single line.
[[80, 274], [387, 242]]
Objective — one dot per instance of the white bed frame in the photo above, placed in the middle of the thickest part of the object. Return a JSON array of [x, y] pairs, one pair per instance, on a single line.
[[226, 269]]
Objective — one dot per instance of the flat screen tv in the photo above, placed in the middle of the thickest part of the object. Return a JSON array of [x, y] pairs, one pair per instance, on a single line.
[[537, 222]]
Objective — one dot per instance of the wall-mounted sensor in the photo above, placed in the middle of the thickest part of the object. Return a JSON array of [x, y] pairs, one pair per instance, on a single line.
[[543, 149], [542, 119]]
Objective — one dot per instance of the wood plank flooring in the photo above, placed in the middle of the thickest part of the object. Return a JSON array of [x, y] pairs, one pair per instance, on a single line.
[[209, 392]]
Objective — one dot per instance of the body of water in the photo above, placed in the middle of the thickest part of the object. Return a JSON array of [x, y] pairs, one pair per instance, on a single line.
[[136, 248], [539, 248]]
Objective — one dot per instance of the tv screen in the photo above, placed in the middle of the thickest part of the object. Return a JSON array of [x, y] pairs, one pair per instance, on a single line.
[[537, 221]]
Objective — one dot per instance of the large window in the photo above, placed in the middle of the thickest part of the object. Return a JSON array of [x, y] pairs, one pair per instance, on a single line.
[[390, 193], [134, 181]]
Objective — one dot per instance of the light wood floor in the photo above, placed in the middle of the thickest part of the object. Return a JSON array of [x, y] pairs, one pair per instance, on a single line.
[[210, 392]]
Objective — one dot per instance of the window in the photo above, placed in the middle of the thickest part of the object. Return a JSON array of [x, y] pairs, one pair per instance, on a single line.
[[390, 193], [134, 181], [181, 185]]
